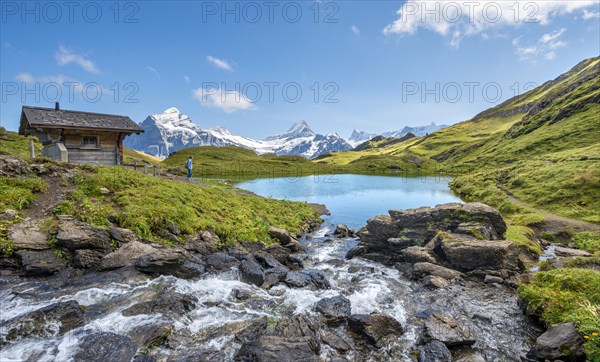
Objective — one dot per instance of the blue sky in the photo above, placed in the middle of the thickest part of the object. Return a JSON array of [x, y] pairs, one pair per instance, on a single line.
[[377, 65]]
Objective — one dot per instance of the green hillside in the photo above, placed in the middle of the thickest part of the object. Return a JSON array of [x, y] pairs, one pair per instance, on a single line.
[[542, 146], [239, 163]]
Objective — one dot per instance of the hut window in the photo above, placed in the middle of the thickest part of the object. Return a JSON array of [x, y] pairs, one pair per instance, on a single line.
[[90, 141]]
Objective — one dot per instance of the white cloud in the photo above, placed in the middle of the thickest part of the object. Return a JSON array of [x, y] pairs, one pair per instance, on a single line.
[[355, 30], [546, 46], [460, 19], [219, 63], [587, 15], [153, 71], [187, 79], [65, 56], [227, 101], [29, 78]]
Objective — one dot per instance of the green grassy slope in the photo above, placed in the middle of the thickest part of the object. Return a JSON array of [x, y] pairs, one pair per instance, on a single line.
[[147, 204], [133, 156], [239, 163]]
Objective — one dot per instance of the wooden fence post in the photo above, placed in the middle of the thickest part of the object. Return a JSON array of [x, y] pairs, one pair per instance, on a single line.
[[31, 149]]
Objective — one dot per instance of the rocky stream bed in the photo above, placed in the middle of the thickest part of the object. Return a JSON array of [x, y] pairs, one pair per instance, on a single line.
[[427, 284]]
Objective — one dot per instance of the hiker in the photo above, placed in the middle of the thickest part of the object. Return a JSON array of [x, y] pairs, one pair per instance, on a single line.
[[188, 166]]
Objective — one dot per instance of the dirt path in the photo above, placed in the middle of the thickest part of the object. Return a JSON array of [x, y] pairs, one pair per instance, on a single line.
[[554, 224], [56, 193]]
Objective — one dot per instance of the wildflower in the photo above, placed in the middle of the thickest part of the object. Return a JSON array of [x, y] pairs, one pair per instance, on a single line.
[[586, 337]]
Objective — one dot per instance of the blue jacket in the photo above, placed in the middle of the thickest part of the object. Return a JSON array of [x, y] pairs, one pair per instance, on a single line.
[[188, 164]]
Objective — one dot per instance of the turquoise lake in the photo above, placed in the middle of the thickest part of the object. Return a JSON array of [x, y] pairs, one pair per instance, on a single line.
[[353, 199]]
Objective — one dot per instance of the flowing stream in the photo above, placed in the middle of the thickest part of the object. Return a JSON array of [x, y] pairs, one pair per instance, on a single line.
[[491, 312]]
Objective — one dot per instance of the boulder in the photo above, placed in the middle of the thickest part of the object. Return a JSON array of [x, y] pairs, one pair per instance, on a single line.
[[434, 351], [74, 235], [421, 270], [125, 256], [562, 251], [470, 255], [285, 257], [87, 258], [559, 342], [36, 263], [275, 349], [312, 279], [170, 261], [174, 229], [218, 262], [447, 330], [210, 237], [284, 238], [262, 270], [105, 346], [343, 231], [55, 319], [122, 235], [167, 303], [27, 235], [374, 327], [334, 308]]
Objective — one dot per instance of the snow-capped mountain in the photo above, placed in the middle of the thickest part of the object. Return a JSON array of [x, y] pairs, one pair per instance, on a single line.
[[358, 137], [418, 131], [172, 130]]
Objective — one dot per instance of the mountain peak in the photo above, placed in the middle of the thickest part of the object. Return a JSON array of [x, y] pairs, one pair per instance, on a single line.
[[299, 126], [171, 110]]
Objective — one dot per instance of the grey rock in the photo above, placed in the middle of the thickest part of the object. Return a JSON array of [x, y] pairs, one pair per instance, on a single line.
[[416, 254], [493, 279], [74, 235], [86, 258], [220, 262], [165, 303], [483, 255], [424, 269], [105, 346], [434, 351], [447, 330], [122, 235], [334, 308], [8, 215], [27, 235], [276, 349], [559, 342], [40, 263], [53, 320], [312, 279], [435, 282], [125, 256], [252, 331], [562, 251], [151, 335], [343, 231], [375, 327], [170, 261]]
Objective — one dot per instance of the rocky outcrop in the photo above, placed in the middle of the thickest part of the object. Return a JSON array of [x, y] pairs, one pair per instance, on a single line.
[[343, 231], [463, 237], [27, 235], [275, 348], [559, 342], [55, 319], [125, 256]]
